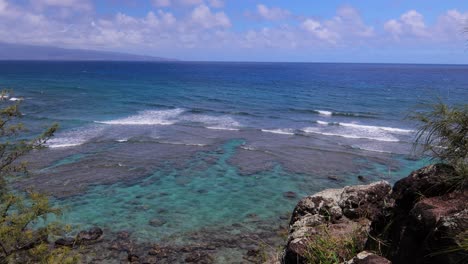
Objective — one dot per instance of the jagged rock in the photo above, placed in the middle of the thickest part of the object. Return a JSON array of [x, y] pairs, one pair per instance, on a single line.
[[160, 252], [132, 258], [89, 236], [368, 201], [427, 217], [432, 225], [342, 211], [366, 257], [199, 258], [429, 181], [65, 242], [83, 237]]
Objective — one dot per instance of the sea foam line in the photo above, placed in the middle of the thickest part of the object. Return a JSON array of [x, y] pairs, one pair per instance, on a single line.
[[223, 128], [351, 136], [389, 129], [367, 127], [279, 131], [148, 117], [323, 112]]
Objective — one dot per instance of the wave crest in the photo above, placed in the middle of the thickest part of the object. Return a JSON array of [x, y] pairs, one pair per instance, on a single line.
[[148, 117]]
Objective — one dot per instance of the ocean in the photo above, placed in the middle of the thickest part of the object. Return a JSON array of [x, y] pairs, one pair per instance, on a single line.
[[183, 152]]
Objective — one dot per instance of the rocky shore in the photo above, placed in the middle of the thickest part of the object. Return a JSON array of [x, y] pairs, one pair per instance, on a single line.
[[422, 219]]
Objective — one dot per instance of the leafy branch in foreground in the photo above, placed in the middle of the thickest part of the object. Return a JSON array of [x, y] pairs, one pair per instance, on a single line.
[[443, 134], [19, 210]]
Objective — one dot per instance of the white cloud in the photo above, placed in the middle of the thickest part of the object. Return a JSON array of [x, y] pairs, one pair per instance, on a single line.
[[316, 28], [410, 26], [415, 22], [348, 22], [450, 25], [3, 5], [410, 23], [203, 16], [393, 27], [273, 13], [204, 27], [346, 25]]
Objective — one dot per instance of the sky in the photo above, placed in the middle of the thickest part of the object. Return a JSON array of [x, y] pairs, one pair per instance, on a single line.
[[398, 31]]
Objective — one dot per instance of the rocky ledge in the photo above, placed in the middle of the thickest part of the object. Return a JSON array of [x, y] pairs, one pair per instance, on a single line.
[[422, 219]]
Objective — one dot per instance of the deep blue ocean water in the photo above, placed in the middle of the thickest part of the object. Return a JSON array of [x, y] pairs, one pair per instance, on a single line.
[[197, 145]]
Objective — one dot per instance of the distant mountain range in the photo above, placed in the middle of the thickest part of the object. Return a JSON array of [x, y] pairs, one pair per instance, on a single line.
[[10, 51]]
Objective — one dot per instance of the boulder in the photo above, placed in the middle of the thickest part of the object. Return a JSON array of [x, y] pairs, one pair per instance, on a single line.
[[83, 237], [426, 218], [429, 181], [343, 212], [89, 236], [199, 257], [65, 242], [431, 227]]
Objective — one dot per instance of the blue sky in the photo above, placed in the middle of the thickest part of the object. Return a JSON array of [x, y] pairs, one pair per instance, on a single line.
[[416, 31]]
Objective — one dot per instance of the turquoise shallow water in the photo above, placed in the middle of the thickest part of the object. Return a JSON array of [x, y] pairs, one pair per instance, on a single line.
[[164, 150], [208, 192], [198, 196]]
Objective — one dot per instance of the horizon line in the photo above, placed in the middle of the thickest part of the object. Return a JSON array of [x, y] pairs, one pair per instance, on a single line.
[[228, 61]]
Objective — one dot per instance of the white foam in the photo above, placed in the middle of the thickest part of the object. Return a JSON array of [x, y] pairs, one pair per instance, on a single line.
[[325, 113], [149, 117], [279, 131], [16, 99], [73, 138], [322, 122], [122, 140], [390, 129], [223, 128], [64, 145], [248, 148], [352, 134]]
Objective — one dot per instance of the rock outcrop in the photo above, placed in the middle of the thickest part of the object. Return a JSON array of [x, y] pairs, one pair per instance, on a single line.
[[423, 219], [429, 216], [82, 238], [343, 212]]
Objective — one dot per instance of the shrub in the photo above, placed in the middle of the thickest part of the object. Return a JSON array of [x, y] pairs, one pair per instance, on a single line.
[[325, 248], [19, 210], [443, 134]]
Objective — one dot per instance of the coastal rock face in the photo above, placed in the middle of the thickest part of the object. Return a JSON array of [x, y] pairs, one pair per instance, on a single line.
[[423, 219], [429, 181], [429, 218], [343, 211], [90, 235]]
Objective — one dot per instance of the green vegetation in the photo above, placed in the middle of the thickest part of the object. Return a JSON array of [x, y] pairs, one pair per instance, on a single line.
[[443, 134], [325, 248], [19, 210]]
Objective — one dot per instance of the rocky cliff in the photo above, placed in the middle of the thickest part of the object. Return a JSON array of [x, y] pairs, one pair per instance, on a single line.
[[422, 219]]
